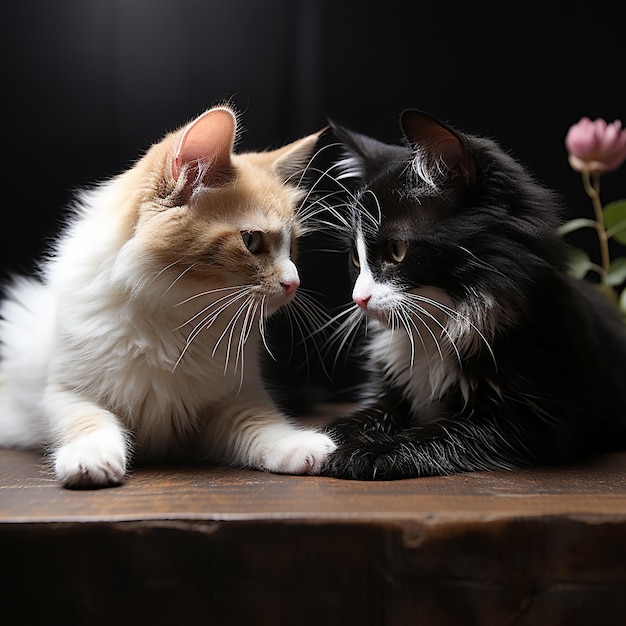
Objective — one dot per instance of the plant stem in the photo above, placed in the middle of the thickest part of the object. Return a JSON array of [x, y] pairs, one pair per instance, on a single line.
[[592, 188]]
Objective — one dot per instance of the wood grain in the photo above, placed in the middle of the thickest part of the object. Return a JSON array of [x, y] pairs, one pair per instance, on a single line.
[[200, 544]]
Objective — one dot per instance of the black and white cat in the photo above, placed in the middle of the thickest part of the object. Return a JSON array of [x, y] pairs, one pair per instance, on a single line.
[[483, 352]]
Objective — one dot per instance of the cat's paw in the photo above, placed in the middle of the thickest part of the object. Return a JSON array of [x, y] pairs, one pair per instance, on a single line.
[[300, 452], [94, 460], [364, 458]]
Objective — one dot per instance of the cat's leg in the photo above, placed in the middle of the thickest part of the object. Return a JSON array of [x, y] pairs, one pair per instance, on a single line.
[[89, 447], [258, 436], [390, 413], [471, 443]]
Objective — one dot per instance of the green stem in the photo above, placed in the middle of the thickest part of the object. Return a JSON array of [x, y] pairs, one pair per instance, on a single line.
[[592, 188]]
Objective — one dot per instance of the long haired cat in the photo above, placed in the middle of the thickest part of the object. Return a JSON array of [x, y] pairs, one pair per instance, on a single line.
[[483, 352], [140, 339]]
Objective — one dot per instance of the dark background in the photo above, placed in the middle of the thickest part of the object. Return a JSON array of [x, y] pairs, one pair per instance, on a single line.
[[89, 84]]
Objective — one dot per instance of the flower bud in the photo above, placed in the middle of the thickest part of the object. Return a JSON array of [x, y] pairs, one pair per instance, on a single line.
[[596, 147]]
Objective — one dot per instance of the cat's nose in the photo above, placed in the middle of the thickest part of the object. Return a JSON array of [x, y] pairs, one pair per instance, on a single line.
[[290, 286], [362, 301]]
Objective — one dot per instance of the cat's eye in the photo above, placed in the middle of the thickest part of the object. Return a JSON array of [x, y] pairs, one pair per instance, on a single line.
[[396, 249], [251, 239], [354, 257]]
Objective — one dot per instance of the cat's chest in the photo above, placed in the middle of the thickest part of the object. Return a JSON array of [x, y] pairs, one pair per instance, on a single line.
[[155, 364], [423, 369], [213, 361]]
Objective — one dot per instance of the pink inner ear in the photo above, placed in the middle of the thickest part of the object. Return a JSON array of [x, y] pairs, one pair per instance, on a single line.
[[423, 130], [208, 139]]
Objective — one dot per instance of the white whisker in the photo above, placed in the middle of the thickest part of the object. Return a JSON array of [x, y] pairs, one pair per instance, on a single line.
[[229, 330], [306, 315], [407, 322], [262, 328], [246, 328], [456, 315], [211, 291], [224, 302], [167, 267], [210, 313], [345, 334], [418, 311]]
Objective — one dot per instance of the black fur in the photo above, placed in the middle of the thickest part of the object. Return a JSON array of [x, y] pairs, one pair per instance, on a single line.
[[544, 370]]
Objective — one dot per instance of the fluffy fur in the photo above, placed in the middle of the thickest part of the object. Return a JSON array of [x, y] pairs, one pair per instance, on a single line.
[[483, 352], [140, 338]]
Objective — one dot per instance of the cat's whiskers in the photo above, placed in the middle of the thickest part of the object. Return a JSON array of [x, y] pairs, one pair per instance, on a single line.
[[349, 309], [223, 302], [246, 328], [407, 322], [419, 312], [306, 316], [209, 315], [335, 211], [324, 174], [165, 269], [307, 304], [346, 332], [200, 294], [374, 219], [319, 205], [230, 327], [179, 277], [229, 330], [455, 315], [414, 304], [480, 263], [307, 209], [407, 316], [396, 322], [262, 327]]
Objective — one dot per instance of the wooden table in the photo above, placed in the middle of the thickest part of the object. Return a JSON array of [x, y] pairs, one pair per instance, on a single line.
[[212, 545]]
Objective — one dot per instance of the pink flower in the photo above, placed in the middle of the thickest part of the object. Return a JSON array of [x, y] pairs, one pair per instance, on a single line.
[[596, 147]]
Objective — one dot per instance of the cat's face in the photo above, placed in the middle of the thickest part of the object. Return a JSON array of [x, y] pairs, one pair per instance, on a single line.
[[403, 260], [396, 250], [208, 220], [449, 234]]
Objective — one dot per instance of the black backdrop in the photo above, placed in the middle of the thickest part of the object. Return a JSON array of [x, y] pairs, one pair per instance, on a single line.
[[88, 84]]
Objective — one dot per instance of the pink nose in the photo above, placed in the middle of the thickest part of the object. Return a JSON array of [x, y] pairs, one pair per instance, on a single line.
[[290, 286], [362, 301]]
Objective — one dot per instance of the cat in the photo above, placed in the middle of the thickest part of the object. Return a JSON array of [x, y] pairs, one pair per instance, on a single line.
[[139, 339], [482, 352]]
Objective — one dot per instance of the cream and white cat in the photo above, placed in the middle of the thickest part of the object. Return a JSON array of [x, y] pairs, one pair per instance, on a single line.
[[140, 339]]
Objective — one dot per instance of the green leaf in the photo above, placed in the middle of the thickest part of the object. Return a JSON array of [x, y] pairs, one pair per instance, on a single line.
[[579, 262], [572, 225], [617, 272], [622, 302], [615, 220]]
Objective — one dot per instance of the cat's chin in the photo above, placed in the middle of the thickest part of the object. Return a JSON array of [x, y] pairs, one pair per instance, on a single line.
[[277, 303], [380, 317]]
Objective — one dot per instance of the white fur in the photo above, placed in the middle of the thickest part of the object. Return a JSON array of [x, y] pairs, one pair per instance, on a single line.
[[425, 376]]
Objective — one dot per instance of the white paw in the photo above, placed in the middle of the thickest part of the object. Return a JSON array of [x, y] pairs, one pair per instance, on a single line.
[[94, 460], [300, 452]]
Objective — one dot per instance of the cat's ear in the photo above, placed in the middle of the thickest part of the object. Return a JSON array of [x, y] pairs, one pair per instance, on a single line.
[[355, 147], [203, 149], [364, 155], [435, 143], [291, 160]]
